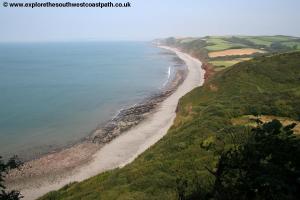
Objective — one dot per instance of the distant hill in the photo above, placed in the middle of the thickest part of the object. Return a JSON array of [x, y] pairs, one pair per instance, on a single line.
[[265, 87], [225, 51]]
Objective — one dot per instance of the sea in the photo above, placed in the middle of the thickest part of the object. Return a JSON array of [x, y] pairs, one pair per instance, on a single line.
[[55, 94]]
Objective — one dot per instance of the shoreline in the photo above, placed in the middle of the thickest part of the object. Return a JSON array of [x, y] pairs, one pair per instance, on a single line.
[[125, 118], [117, 149], [80, 152], [131, 116]]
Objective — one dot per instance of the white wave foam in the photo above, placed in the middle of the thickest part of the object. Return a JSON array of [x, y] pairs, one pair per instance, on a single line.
[[168, 77]]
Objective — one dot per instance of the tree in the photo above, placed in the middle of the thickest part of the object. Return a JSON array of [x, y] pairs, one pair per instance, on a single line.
[[181, 185], [12, 163], [265, 166], [295, 47]]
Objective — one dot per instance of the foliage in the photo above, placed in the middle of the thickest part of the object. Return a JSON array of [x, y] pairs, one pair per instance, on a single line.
[[12, 163], [264, 166]]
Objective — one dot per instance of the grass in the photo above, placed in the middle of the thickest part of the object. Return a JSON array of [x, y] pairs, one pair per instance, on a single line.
[[219, 44], [292, 44], [250, 120], [267, 40], [277, 38], [264, 85], [258, 40], [223, 64], [187, 40]]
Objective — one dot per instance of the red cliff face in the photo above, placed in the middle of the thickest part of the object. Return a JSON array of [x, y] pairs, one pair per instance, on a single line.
[[209, 70]]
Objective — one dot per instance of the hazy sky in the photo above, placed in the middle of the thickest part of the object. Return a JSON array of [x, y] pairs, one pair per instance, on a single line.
[[149, 19]]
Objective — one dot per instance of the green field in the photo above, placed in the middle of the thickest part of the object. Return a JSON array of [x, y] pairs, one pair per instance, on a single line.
[[269, 43], [277, 38], [200, 47], [293, 44], [222, 64], [225, 63], [268, 40], [265, 85], [258, 40], [219, 44]]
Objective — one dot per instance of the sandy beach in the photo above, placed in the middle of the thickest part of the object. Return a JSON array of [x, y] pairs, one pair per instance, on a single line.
[[126, 147]]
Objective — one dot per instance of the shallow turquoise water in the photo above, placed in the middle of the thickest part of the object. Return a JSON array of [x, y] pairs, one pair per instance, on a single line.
[[52, 94]]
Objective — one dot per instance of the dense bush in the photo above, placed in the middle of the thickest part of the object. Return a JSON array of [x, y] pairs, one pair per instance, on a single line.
[[264, 165]]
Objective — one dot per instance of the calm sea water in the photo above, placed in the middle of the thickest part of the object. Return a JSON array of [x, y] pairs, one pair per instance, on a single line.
[[53, 94]]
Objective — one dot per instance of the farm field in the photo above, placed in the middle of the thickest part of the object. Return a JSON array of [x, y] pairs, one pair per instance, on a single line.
[[222, 64], [234, 52], [219, 44], [226, 51]]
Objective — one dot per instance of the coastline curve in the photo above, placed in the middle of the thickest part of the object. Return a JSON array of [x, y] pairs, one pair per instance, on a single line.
[[127, 146]]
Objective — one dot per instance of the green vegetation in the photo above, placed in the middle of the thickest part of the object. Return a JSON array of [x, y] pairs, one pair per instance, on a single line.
[[220, 43], [12, 163], [183, 164], [222, 64], [225, 63], [293, 44], [259, 165], [201, 47], [258, 41], [250, 120]]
